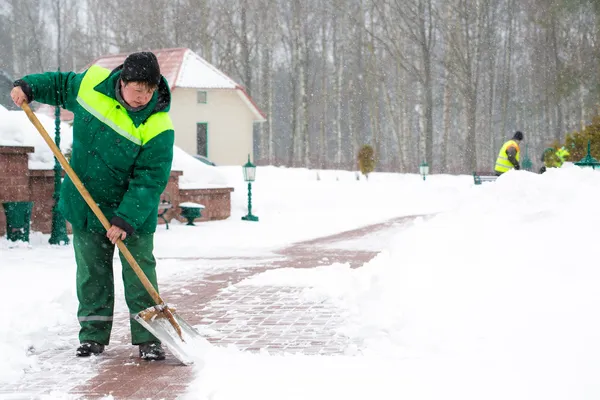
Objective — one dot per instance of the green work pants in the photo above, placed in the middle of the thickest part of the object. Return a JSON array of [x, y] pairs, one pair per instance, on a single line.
[[95, 284]]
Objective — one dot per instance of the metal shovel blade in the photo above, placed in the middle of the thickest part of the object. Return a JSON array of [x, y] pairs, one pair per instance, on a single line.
[[187, 348]]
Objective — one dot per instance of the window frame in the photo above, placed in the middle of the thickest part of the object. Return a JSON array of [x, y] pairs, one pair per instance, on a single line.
[[205, 93], [206, 130]]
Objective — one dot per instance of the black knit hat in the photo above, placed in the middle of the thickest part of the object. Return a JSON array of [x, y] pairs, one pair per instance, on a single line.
[[141, 67], [518, 135]]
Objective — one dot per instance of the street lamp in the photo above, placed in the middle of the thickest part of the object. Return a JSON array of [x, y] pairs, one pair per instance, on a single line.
[[249, 175], [424, 169], [588, 161], [58, 233]]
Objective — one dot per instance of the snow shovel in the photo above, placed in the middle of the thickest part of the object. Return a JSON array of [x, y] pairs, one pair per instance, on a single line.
[[161, 320]]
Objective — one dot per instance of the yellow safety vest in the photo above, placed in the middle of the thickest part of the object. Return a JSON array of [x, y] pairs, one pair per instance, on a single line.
[[502, 162], [105, 109]]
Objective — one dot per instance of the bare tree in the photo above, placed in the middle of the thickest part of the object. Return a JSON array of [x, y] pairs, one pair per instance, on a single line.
[[339, 23], [333, 75], [465, 34], [325, 97], [29, 40], [411, 21], [266, 46]]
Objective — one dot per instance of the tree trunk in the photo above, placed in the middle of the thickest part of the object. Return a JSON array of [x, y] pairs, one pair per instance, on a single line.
[[338, 66], [471, 144], [323, 155], [304, 83], [447, 123]]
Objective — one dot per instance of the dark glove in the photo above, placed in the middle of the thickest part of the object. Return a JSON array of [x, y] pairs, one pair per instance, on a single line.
[[121, 223], [26, 89], [517, 166]]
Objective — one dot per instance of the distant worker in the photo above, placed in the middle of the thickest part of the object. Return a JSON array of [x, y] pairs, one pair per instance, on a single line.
[[508, 157], [554, 159]]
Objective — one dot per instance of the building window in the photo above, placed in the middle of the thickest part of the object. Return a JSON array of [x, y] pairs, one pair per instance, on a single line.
[[201, 97], [202, 139]]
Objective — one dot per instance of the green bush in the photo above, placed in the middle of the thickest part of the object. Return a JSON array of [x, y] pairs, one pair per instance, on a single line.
[[576, 142], [366, 160]]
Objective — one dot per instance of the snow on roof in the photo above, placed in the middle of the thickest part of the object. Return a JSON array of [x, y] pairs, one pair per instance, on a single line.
[[195, 72]]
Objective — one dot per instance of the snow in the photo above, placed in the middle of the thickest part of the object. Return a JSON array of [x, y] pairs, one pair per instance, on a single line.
[[17, 130], [189, 204], [196, 174], [491, 295], [195, 72]]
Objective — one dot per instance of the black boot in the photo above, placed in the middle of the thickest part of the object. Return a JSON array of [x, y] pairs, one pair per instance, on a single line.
[[89, 348], [152, 351]]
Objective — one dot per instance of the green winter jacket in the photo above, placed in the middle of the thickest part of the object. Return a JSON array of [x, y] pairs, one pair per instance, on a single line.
[[123, 158]]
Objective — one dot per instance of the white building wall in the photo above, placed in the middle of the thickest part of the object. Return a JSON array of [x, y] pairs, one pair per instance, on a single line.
[[229, 120]]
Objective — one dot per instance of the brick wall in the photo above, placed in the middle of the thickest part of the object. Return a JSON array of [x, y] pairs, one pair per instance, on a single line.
[[171, 194], [217, 202], [14, 177]]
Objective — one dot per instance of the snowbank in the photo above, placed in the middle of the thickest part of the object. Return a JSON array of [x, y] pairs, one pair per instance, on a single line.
[[196, 174]]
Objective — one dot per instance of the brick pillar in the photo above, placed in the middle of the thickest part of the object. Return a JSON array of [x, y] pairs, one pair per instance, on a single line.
[[171, 193], [14, 179], [41, 189]]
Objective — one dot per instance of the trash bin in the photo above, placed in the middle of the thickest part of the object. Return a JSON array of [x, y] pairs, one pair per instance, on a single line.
[[18, 219]]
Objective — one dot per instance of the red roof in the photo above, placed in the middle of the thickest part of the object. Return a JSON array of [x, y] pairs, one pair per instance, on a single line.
[[171, 62]]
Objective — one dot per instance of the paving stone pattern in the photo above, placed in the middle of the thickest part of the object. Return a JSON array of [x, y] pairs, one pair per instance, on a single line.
[[253, 318]]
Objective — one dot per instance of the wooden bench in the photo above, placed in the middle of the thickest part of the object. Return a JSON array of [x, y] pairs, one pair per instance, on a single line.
[[164, 206], [480, 177]]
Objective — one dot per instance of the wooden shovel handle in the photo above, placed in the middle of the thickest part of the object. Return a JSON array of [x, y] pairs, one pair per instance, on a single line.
[[88, 199]]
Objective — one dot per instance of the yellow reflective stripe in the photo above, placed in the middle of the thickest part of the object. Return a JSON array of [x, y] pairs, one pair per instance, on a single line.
[[105, 109], [503, 165], [155, 125], [98, 114]]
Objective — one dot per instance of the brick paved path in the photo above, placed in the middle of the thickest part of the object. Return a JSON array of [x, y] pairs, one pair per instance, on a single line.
[[253, 318]]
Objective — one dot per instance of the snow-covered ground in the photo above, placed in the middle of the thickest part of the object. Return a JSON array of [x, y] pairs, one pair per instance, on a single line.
[[493, 297]]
